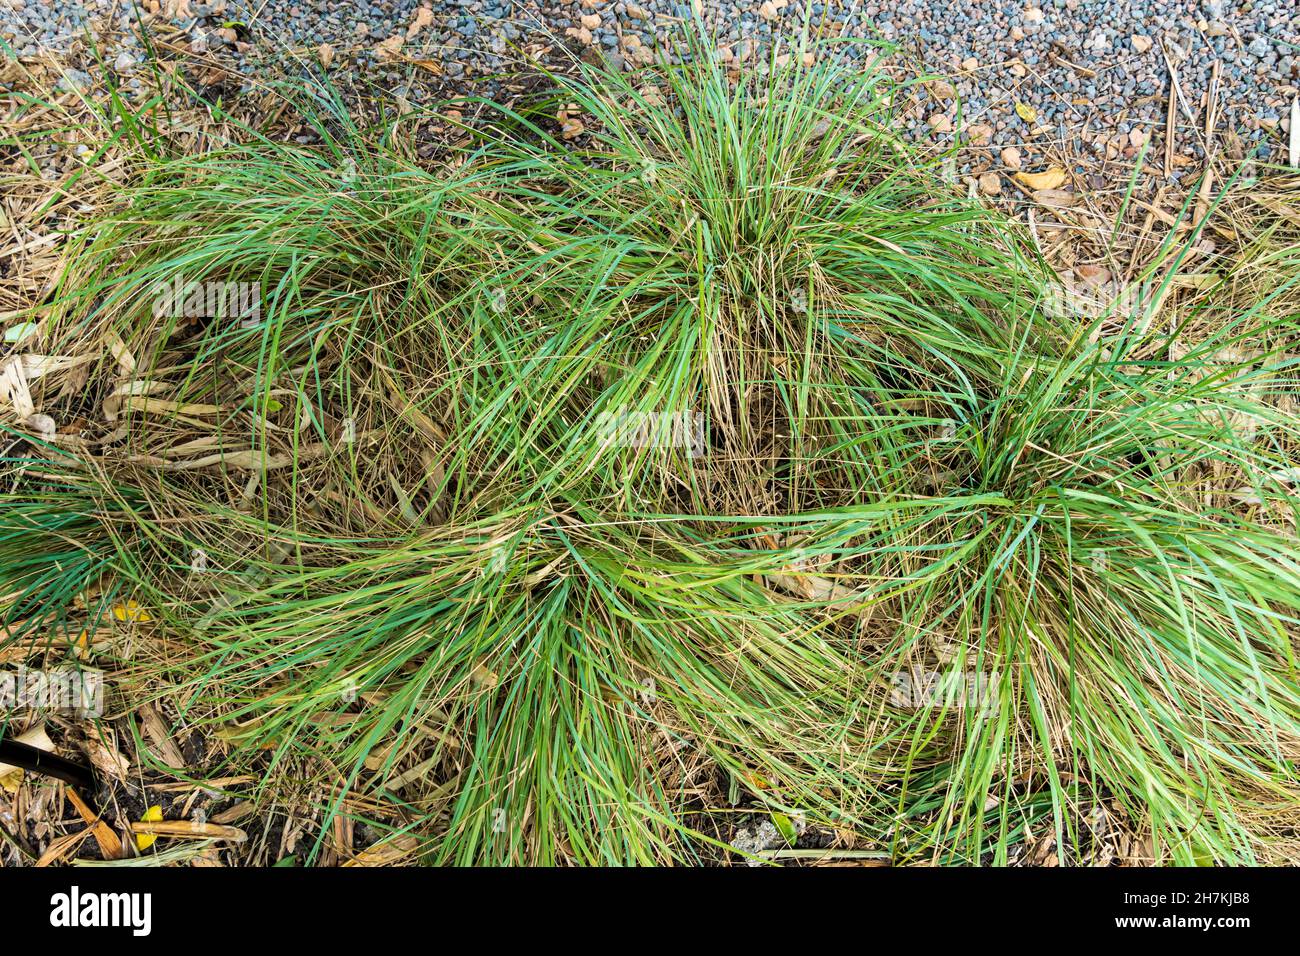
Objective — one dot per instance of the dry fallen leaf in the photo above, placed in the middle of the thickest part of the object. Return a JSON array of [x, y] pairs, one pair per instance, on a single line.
[[155, 729], [390, 49], [106, 758], [1026, 112], [10, 776], [387, 853], [1057, 198], [326, 54], [570, 126], [990, 184], [1052, 178]]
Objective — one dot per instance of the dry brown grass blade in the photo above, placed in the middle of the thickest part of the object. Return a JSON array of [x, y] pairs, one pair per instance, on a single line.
[[394, 852], [109, 844], [63, 847]]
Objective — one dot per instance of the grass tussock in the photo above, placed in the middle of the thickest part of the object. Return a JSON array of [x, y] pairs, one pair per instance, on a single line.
[[397, 547]]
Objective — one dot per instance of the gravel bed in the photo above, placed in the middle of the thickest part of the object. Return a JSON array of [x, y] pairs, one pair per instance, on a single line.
[[1092, 74]]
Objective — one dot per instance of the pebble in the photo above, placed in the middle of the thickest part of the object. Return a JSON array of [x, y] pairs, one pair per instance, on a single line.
[[940, 123]]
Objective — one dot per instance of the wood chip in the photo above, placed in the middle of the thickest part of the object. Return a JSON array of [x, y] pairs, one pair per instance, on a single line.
[[109, 845], [189, 828]]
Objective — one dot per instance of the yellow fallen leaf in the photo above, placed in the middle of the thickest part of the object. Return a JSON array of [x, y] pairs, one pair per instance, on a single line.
[[1052, 178], [131, 611], [1026, 112], [145, 840]]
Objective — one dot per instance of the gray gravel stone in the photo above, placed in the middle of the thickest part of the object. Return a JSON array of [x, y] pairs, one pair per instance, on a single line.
[[1073, 62]]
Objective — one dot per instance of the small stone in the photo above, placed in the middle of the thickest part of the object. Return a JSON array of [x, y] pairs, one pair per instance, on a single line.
[[1034, 15], [1140, 43], [991, 184], [942, 90], [1258, 46], [1017, 33], [423, 17], [970, 64], [591, 20], [940, 123], [74, 81]]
